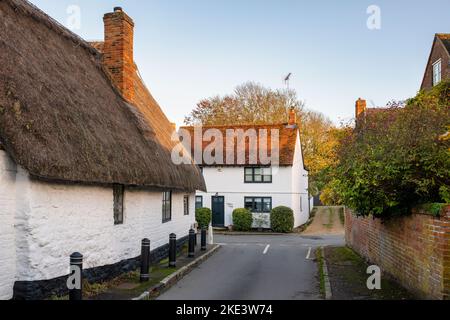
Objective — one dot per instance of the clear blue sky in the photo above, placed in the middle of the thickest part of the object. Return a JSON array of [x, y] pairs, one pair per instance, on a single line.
[[189, 50]]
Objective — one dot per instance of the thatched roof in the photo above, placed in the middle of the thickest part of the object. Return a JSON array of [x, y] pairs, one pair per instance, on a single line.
[[62, 119], [286, 143]]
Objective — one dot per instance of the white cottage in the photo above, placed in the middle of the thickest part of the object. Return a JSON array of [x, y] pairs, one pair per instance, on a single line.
[[85, 156], [252, 185]]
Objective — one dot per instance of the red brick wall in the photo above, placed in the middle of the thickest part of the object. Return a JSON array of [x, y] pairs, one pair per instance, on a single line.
[[415, 249], [118, 51]]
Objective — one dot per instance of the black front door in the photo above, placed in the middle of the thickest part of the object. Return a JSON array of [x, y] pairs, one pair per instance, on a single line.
[[218, 211]]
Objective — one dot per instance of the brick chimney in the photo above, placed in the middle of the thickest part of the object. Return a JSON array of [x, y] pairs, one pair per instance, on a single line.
[[118, 51], [292, 117], [361, 107]]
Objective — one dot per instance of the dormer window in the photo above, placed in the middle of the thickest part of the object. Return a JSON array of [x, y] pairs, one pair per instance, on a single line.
[[437, 72]]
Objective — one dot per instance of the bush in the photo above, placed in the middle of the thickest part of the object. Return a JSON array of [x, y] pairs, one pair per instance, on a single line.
[[203, 217], [242, 220], [399, 158], [282, 219]]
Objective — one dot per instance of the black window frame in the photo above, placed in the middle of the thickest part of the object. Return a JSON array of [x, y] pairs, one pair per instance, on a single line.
[[186, 205], [118, 204], [254, 207], [196, 202], [166, 206], [254, 175]]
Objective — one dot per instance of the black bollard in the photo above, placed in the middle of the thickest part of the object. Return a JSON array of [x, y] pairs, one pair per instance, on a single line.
[[203, 239], [195, 237], [172, 250], [76, 267], [191, 243], [145, 260]]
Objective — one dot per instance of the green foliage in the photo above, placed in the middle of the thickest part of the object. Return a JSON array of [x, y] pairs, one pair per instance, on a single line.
[[395, 160], [434, 208], [203, 217], [282, 219], [242, 220]]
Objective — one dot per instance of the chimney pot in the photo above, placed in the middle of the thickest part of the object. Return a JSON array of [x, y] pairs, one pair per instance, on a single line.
[[118, 9], [292, 117], [361, 107]]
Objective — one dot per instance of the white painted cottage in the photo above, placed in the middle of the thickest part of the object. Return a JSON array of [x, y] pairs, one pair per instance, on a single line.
[[85, 156], [233, 184]]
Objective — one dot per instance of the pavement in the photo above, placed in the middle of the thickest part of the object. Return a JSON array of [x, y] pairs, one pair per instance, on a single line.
[[257, 267], [327, 221]]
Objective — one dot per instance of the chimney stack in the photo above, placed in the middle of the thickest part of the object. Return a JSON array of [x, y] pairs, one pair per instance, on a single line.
[[292, 117], [361, 107], [118, 51]]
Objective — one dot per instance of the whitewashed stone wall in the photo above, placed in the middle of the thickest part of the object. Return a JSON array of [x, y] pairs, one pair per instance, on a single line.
[[55, 220], [7, 233]]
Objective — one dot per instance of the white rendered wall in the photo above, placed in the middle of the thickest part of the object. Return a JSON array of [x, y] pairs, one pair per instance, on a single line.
[[300, 196], [7, 232], [229, 182], [43, 223], [289, 185], [63, 219]]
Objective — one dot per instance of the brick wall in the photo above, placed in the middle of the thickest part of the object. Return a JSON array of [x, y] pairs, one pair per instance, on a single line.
[[415, 250]]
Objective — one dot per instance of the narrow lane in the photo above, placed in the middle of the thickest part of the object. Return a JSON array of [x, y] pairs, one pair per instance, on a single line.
[[255, 268]]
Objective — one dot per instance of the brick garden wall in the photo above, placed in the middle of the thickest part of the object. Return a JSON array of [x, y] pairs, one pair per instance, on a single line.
[[415, 250]]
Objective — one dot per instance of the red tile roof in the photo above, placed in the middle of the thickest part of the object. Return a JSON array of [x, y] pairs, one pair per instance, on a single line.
[[287, 142]]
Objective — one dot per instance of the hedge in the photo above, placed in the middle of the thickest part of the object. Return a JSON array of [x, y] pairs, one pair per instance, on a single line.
[[282, 219], [203, 217], [242, 220]]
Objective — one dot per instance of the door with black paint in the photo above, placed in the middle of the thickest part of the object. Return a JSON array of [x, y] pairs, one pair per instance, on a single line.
[[218, 211]]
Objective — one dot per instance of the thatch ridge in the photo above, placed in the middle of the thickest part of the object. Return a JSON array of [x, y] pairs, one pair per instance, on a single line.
[[61, 119]]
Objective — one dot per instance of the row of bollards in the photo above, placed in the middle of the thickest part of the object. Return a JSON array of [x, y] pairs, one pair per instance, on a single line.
[[75, 280]]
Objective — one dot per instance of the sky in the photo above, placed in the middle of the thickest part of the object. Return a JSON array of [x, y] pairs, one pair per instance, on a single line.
[[188, 50]]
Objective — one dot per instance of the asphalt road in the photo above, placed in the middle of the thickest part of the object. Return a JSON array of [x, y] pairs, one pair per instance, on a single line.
[[268, 267]]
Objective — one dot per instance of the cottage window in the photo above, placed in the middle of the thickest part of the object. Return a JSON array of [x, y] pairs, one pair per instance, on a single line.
[[186, 205], [166, 206], [258, 175], [258, 204], [118, 192], [437, 70], [198, 202]]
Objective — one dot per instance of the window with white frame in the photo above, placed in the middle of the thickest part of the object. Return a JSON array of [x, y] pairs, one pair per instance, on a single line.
[[437, 72]]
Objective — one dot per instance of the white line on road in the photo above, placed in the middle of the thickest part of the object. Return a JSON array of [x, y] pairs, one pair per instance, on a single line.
[[266, 249], [309, 254]]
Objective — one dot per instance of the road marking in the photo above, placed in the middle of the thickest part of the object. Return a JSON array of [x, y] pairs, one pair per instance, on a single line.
[[309, 254], [266, 249]]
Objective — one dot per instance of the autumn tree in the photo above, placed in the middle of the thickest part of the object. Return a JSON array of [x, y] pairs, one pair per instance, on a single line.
[[252, 103]]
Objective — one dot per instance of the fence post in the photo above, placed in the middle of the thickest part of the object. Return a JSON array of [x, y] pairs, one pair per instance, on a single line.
[[145, 260]]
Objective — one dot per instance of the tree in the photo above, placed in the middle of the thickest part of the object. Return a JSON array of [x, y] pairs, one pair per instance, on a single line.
[[251, 103], [396, 159]]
